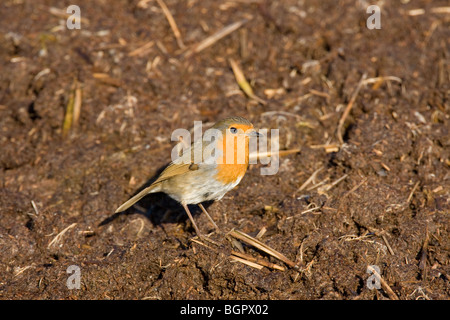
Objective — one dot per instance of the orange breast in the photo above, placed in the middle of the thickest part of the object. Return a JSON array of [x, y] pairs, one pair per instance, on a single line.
[[232, 167]]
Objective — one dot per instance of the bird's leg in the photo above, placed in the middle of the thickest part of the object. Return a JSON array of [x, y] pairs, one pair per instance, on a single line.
[[192, 219], [209, 217], [199, 234]]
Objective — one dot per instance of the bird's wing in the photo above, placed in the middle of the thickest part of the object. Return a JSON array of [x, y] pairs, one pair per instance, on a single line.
[[179, 166], [182, 165], [173, 169]]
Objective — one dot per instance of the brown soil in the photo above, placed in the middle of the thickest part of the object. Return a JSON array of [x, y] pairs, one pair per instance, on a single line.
[[305, 58]]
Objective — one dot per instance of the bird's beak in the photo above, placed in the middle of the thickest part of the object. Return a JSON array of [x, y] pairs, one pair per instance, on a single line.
[[254, 133]]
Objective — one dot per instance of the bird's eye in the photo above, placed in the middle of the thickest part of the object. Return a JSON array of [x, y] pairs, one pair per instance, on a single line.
[[233, 130]]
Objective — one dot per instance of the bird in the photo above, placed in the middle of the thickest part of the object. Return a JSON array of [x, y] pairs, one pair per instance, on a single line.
[[224, 160]]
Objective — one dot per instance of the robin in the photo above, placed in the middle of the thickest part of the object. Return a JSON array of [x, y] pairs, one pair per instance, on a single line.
[[193, 182]]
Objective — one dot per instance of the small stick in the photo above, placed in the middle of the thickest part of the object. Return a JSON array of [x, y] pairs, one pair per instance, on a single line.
[[105, 78], [418, 12], [142, 50], [310, 179], [59, 235], [327, 187], [215, 37], [283, 113], [320, 94], [261, 233], [378, 79], [249, 263], [355, 187], [440, 10], [77, 105], [388, 289], [387, 245], [258, 244], [412, 192], [73, 109], [349, 108], [243, 83], [18, 270], [319, 146], [202, 244], [68, 117], [172, 23], [424, 254], [259, 155], [328, 147], [243, 40], [317, 185], [258, 261], [303, 212], [236, 244], [34, 207]]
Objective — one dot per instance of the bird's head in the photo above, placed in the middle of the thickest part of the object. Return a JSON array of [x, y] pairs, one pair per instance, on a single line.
[[236, 126], [233, 141]]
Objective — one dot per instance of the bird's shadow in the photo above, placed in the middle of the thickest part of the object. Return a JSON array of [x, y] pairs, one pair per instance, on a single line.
[[158, 207]]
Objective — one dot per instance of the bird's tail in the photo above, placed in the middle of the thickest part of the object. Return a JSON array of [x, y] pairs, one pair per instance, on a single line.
[[151, 189]]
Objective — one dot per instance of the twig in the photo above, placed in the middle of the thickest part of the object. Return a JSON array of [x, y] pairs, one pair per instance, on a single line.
[[247, 262], [327, 187], [310, 179], [259, 155], [388, 289], [355, 188], [34, 207], [256, 260], [172, 23], [141, 227], [202, 244], [418, 12], [280, 112], [68, 117], [77, 105], [317, 185], [412, 192], [424, 255], [258, 244], [205, 238], [18, 270], [243, 83], [243, 42], [105, 78], [387, 245], [381, 79], [261, 233], [349, 108], [328, 147], [214, 38], [59, 235], [353, 237], [142, 50], [440, 10], [303, 212], [73, 109], [320, 94]]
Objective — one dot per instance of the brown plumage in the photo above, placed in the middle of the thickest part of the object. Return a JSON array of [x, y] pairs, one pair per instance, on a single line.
[[193, 183]]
